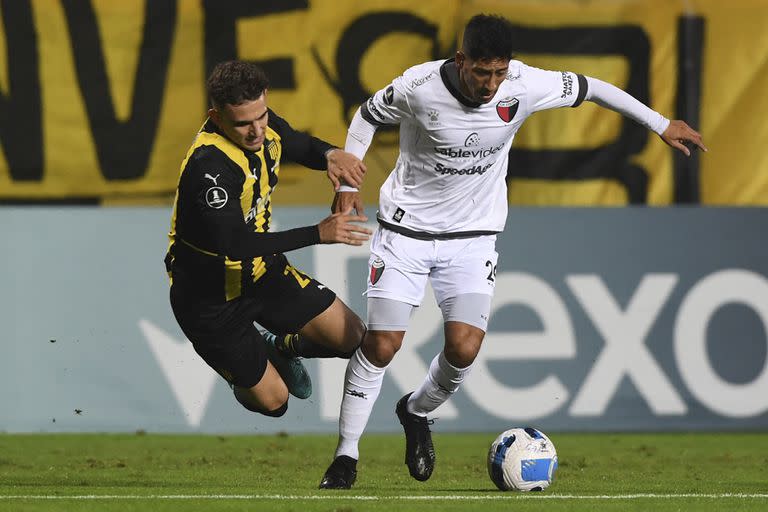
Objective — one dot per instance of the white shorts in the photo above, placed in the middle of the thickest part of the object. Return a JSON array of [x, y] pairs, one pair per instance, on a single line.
[[399, 267]]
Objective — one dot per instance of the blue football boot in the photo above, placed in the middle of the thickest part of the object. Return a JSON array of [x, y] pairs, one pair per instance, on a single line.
[[291, 369]]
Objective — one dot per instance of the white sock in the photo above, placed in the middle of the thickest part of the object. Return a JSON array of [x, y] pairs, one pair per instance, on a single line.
[[441, 382], [362, 384]]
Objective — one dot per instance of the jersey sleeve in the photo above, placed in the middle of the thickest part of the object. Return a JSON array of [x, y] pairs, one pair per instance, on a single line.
[[300, 147], [387, 106], [209, 197], [553, 89]]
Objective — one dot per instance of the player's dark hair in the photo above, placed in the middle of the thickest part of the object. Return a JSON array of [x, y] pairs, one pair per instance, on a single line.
[[488, 36], [235, 82]]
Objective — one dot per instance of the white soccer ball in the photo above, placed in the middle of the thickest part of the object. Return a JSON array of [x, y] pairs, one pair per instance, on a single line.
[[522, 459]]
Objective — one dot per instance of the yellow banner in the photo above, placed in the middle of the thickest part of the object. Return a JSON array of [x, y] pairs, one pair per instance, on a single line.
[[100, 99]]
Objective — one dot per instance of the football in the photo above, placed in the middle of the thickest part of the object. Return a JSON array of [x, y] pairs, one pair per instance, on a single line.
[[522, 459]]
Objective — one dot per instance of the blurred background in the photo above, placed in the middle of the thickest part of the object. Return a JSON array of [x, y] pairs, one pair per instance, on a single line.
[[632, 291]]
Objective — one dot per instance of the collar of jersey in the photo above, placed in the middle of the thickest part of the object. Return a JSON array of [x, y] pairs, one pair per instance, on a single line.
[[452, 89], [211, 127]]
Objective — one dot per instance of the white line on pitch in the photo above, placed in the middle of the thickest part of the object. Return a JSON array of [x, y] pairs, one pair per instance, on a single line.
[[515, 496]]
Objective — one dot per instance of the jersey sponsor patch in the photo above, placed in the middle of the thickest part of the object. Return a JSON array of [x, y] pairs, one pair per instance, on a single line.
[[473, 139], [389, 95], [377, 268], [374, 110], [398, 216], [507, 109], [216, 197], [421, 81], [567, 84]]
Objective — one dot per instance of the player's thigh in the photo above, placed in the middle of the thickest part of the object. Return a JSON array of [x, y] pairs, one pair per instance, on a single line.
[[290, 298], [337, 327], [467, 308], [465, 267], [398, 267], [387, 322], [233, 348]]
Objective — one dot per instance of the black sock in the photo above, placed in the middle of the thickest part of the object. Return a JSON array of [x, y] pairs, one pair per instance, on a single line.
[[295, 345]]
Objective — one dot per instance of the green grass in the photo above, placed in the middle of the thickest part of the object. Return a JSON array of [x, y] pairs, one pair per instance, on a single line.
[[685, 471]]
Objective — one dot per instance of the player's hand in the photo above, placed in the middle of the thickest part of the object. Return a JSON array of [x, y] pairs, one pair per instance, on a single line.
[[344, 228], [678, 133], [345, 168], [344, 201]]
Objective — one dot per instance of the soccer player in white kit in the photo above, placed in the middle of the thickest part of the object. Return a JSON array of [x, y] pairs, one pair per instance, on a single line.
[[440, 210]]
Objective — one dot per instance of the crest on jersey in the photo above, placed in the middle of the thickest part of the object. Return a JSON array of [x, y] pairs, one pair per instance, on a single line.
[[507, 109], [216, 197], [272, 148], [377, 268]]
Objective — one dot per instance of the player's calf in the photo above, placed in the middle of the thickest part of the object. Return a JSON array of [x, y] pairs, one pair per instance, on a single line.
[[296, 345]]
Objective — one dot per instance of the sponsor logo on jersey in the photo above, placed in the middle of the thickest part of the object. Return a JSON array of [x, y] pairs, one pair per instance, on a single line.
[[567, 84], [398, 216], [389, 95], [374, 110], [251, 215], [253, 211], [507, 109], [468, 153], [377, 268], [421, 81], [212, 178], [434, 116], [216, 197], [475, 169], [473, 139]]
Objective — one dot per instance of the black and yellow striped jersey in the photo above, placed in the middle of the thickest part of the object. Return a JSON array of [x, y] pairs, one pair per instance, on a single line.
[[219, 241]]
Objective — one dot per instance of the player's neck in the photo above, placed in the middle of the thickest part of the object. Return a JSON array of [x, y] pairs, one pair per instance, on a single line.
[[452, 73]]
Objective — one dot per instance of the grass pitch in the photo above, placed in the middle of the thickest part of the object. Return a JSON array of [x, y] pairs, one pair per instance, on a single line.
[[660, 472]]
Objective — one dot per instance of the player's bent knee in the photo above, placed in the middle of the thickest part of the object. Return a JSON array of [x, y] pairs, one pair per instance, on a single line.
[[380, 347], [461, 356], [353, 339], [274, 413], [461, 353], [277, 412], [275, 406]]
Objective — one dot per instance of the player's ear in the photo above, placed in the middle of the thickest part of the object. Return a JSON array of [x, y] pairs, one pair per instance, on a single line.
[[215, 115], [459, 58]]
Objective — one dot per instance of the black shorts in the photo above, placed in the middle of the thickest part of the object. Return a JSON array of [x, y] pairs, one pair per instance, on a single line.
[[223, 332]]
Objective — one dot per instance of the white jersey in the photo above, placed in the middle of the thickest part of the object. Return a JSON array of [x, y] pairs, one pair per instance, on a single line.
[[450, 176]]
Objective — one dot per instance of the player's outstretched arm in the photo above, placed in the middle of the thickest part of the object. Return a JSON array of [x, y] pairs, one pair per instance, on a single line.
[[678, 133], [343, 228], [359, 137]]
